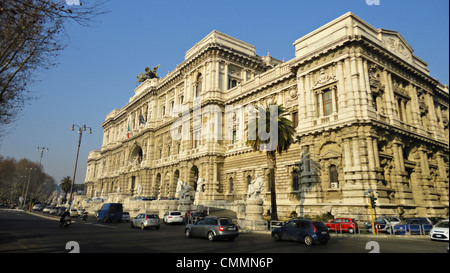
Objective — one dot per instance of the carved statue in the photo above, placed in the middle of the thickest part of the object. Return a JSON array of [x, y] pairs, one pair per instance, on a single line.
[[254, 188], [199, 190], [185, 191], [149, 74], [179, 187]]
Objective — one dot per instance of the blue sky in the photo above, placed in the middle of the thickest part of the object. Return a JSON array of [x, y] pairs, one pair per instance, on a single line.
[[97, 71]]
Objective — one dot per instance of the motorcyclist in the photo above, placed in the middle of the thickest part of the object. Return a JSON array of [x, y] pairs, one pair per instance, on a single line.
[[63, 217]]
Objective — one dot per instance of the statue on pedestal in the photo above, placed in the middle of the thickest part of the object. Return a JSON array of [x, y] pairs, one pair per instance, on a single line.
[[254, 209], [254, 188], [179, 187], [199, 190], [185, 191]]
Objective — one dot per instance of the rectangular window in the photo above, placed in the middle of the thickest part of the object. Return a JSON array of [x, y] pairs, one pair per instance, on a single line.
[[295, 119], [400, 109], [327, 103], [196, 139], [231, 83]]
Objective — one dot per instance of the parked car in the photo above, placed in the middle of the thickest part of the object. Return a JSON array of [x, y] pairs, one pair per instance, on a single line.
[[145, 220], [412, 226], [193, 216], [144, 198], [126, 216], [38, 207], [213, 227], [343, 224], [61, 210], [54, 211], [440, 231], [434, 220], [301, 230], [73, 212], [383, 224], [171, 217], [47, 209]]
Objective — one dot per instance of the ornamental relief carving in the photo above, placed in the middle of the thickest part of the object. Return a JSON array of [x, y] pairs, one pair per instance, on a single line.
[[375, 79], [396, 46], [324, 79]]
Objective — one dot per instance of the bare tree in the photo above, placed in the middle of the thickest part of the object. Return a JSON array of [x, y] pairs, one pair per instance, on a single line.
[[32, 34], [23, 178]]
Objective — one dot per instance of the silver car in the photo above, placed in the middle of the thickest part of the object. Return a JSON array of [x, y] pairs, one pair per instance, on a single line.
[[213, 227], [171, 217], [145, 220]]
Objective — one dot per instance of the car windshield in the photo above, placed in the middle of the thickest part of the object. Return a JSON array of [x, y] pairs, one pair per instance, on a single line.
[[226, 222], [152, 216], [175, 213], [442, 224]]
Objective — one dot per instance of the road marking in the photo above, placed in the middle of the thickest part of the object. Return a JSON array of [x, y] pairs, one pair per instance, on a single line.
[[100, 225]]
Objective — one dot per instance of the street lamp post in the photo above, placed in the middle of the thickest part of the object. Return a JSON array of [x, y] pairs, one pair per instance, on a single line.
[[42, 149], [28, 184], [80, 132]]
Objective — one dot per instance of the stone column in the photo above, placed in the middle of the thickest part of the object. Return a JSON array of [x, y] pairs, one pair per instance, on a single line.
[[342, 101]]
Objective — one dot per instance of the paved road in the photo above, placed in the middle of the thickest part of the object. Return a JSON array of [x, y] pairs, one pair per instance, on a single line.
[[22, 232]]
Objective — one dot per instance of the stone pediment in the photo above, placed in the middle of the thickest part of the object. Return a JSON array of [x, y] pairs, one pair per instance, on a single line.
[[394, 42], [330, 154]]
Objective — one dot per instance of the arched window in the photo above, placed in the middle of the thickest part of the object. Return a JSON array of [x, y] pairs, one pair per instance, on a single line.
[[198, 86], [334, 181]]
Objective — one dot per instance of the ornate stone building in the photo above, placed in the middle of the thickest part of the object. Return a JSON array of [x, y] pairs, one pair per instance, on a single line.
[[366, 111]]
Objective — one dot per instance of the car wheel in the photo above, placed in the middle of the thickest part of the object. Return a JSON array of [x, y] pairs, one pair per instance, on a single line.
[[276, 237], [308, 240], [351, 230], [187, 232], [211, 236], [142, 226]]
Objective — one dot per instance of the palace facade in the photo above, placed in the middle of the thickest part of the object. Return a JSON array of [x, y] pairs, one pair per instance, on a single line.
[[366, 111]]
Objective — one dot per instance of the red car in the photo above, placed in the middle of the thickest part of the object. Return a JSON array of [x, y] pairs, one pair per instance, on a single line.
[[343, 224]]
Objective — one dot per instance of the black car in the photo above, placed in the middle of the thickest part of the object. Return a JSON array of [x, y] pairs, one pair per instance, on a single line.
[[195, 216], [305, 231]]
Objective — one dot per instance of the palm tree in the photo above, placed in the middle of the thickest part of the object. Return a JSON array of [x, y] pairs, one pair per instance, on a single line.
[[65, 185], [285, 132]]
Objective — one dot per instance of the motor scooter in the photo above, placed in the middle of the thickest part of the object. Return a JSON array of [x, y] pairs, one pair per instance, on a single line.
[[65, 223], [84, 215]]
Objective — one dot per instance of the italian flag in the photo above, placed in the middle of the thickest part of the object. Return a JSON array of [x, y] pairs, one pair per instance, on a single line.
[[128, 131]]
